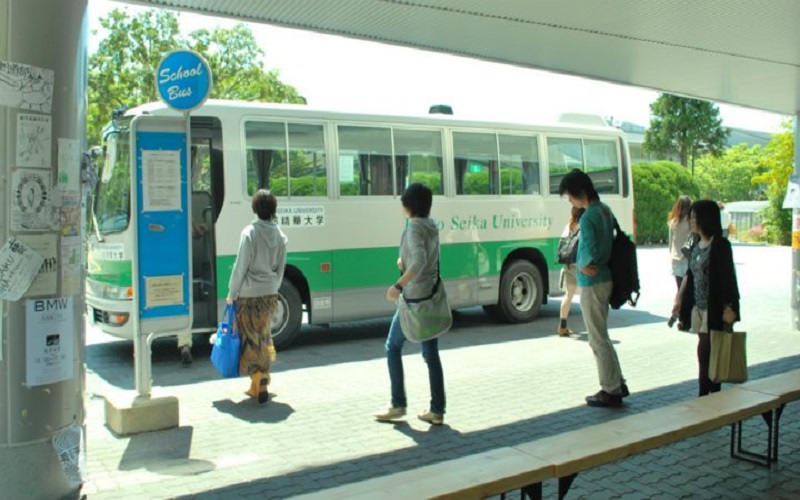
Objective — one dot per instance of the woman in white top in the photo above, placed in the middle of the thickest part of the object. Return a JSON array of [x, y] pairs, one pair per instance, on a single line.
[[569, 281], [679, 231]]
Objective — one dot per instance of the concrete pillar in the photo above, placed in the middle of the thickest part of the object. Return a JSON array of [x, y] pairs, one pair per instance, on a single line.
[[43, 70]]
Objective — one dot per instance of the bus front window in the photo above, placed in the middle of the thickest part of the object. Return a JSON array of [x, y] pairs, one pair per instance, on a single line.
[[112, 200]]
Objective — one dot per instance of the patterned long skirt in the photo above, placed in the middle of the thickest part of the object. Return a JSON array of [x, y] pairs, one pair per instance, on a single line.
[[254, 317]]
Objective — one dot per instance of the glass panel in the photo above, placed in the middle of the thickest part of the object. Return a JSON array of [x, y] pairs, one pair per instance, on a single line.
[[265, 144], [476, 163], [112, 202], [602, 165], [307, 160], [418, 156], [201, 164], [519, 165], [365, 161], [562, 156]]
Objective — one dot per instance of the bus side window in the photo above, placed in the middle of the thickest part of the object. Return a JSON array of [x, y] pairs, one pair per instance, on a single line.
[[476, 163], [365, 161], [519, 164], [602, 165], [266, 157], [418, 158], [563, 154]]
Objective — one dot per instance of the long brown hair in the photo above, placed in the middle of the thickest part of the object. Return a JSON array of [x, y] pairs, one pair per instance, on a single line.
[[575, 216], [680, 210]]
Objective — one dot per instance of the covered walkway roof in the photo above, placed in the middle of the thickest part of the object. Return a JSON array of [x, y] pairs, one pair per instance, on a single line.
[[743, 52]]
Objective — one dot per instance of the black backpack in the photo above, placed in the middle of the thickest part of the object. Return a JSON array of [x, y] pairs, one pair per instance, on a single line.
[[624, 270]]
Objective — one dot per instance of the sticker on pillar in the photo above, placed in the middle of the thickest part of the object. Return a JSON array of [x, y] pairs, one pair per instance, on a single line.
[[68, 444], [792, 199], [69, 167], [47, 277], [34, 141], [70, 265], [26, 87], [31, 203], [19, 265], [49, 338]]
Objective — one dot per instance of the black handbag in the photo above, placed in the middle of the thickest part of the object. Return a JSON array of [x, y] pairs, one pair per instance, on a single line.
[[568, 247]]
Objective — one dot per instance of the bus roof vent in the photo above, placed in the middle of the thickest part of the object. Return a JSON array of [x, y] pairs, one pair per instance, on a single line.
[[583, 119], [440, 109]]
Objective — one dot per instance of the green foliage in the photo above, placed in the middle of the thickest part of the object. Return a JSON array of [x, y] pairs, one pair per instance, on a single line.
[[778, 166], [686, 127], [122, 70], [729, 177], [656, 186]]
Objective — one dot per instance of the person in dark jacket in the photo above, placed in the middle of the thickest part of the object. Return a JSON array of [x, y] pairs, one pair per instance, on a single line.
[[709, 295]]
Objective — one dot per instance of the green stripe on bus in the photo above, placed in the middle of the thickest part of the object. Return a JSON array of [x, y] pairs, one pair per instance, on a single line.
[[374, 267], [113, 272]]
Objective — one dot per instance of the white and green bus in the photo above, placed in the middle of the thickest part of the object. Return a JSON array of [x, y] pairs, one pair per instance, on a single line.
[[338, 178]]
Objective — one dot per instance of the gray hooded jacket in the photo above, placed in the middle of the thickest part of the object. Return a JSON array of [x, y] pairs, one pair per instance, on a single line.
[[419, 251], [261, 260]]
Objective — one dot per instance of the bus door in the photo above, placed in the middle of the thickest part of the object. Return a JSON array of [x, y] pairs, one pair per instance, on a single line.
[[207, 197]]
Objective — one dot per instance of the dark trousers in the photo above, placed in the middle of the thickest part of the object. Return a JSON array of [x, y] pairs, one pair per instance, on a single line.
[[706, 386]]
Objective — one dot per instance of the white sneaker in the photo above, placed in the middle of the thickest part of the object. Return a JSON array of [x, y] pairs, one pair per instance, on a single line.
[[431, 417], [390, 413]]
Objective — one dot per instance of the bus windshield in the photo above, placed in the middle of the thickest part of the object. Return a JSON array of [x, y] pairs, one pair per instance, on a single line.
[[112, 200]]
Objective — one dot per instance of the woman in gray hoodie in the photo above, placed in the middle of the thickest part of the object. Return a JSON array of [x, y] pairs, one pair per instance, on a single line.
[[419, 263], [254, 284]]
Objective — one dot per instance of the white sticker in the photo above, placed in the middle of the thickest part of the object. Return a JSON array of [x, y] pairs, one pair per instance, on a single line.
[[70, 265], [49, 338], [31, 203], [47, 277], [19, 265], [26, 87], [34, 140], [69, 166], [69, 446]]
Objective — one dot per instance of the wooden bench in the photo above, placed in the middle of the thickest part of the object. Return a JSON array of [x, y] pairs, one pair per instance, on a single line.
[[471, 477], [563, 456], [784, 386]]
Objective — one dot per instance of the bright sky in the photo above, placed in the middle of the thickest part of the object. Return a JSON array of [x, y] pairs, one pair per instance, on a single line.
[[339, 73]]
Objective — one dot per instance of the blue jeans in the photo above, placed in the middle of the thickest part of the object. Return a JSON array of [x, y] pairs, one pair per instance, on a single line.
[[394, 356]]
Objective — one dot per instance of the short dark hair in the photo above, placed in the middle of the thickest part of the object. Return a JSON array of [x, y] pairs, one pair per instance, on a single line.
[[417, 199], [577, 184], [706, 217], [264, 204]]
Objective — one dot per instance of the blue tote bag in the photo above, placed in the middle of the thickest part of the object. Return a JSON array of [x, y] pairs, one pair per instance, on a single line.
[[225, 353]]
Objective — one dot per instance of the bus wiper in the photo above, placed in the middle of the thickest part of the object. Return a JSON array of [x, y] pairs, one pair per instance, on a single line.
[[96, 228]]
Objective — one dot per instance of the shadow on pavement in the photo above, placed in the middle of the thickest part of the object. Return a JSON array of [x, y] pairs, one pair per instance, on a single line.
[[445, 444], [168, 457], [341, 343], [250, 411]]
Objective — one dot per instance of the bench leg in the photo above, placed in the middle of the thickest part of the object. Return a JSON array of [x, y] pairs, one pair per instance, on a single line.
[[532, 491], [772, 440], [564, 484]]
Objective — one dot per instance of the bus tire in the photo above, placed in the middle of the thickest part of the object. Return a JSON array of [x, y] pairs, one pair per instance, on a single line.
[[521, 289], [288, 316]]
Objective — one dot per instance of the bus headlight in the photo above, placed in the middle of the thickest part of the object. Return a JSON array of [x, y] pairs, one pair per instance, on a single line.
[[109, 292]]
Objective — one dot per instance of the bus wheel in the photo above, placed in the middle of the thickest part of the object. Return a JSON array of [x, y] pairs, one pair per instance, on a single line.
[[288, 316], [521, 289]]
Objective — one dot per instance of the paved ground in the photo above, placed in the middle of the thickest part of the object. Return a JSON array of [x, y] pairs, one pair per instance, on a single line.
[[506, 384]]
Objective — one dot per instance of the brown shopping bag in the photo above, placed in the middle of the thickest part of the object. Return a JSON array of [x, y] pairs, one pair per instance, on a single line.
[[728, 357]]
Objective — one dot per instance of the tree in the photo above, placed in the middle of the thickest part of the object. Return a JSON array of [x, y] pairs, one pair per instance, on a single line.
[[686, 127], [656, 186], [122, 70], [778, 165], [729, 177]]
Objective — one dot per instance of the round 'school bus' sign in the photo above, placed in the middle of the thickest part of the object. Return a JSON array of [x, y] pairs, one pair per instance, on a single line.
[[183, 79]]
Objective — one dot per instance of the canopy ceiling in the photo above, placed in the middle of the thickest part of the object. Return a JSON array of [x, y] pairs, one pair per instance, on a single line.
[[744, 52]]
